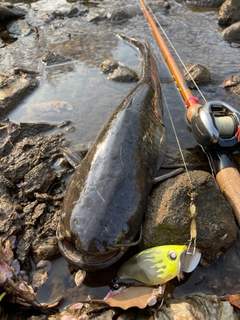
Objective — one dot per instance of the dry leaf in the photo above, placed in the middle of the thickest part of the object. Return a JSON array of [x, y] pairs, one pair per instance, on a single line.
[[52, 304], [79, 277], [133, 296], [234, 299]]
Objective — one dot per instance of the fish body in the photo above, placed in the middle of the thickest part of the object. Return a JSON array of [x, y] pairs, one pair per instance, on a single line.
[[154, 266], [105, 201]]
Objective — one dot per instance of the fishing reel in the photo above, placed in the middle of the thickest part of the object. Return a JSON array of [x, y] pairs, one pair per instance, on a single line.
[[216, 124]]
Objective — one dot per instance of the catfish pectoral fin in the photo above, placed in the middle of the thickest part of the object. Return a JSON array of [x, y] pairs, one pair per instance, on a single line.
[[168, 175]]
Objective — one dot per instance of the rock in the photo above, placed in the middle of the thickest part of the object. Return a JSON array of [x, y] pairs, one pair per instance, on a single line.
[[51, 58], [199, 73], [11, 132], [117, 72], [232, 33], [39, 179], [13, 88], [232, 84], [167, 217], [96, 14], [8, 218], [108, 66], [120, 15], [197, 306], [202, 3], [229, 12], [9, 11], [19, 28], [123, 14]]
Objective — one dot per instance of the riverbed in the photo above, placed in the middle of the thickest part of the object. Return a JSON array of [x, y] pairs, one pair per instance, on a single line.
[[196, 37]]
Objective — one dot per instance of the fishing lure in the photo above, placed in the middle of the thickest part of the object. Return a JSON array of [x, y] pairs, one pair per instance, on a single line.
[[154, 266]]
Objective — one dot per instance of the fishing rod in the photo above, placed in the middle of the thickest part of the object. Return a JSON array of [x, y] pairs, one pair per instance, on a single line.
[[215, 126]]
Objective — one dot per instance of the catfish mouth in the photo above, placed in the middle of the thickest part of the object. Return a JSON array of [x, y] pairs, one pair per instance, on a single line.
[[85, 261]]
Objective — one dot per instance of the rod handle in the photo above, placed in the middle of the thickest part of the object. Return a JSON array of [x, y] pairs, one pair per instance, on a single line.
[[192, 110], [228, 180]]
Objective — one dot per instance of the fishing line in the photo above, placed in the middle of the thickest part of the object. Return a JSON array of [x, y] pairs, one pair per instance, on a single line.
[[186, 93], [177, 140], [175, 51], [171, 119]]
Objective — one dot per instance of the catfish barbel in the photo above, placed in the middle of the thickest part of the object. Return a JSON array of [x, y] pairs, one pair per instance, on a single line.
[[106, 199]]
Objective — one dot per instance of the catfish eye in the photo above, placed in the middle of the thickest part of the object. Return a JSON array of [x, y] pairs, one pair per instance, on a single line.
[[116, 286], [172, 255]]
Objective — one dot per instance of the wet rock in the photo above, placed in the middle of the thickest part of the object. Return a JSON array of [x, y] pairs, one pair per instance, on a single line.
[[197, 306], [229, 12], [232, 84], [11, 133], [44, 245], [198, 73], [123, 74], [167, 218], [77, 9], [108, 66], [9, 11], [31, 160], [232, 33], [117, 72], [9, 216], [120, 15], [123, 14], [13, 88], [204, 3], [37, 19], [194, 157], [96, 14], [160, 4], [39, 179], [51, 58], [19, 28]]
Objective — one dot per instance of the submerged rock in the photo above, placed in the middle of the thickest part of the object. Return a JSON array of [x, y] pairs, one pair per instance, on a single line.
[[167, 218]]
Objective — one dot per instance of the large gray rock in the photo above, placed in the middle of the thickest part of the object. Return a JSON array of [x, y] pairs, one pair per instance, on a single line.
[[229, 12], [167, 217], [232, 33]]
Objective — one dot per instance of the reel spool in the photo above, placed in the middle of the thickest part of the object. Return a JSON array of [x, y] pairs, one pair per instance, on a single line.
[[216, 123]]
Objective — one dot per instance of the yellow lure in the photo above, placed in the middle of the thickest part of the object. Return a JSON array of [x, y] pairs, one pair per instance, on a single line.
[[154, 266]]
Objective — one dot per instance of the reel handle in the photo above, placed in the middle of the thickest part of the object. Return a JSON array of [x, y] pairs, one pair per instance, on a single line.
[[228, 180]]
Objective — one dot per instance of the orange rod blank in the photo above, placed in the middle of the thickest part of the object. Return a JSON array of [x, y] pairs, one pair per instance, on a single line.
[[186, 93]]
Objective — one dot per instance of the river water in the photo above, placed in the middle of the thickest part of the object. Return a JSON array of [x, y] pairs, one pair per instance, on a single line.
[[197, 39]]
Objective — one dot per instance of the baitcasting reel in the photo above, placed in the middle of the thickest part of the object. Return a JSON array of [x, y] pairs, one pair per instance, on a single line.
[[216, 124]]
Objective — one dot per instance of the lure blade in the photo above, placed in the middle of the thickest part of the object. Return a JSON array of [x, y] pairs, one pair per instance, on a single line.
[[189, 261], [154, 266]]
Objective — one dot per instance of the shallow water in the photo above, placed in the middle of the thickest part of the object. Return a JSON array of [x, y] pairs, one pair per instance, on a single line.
[[196, 37]]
